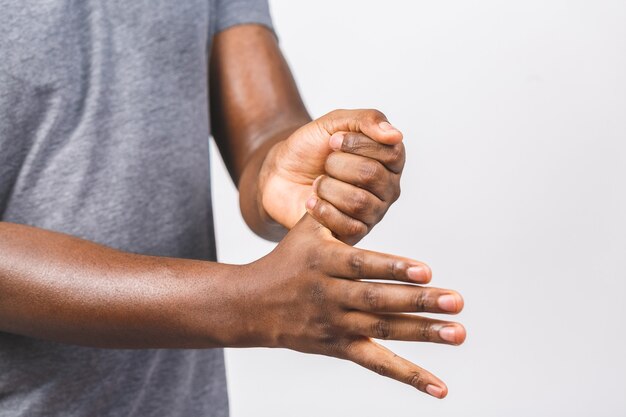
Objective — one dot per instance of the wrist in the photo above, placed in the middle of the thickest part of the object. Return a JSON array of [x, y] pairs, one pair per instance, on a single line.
[[247, 310], [253, 191], [221, 308]]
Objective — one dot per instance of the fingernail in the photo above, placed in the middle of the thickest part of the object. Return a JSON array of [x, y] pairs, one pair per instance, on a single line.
[[310, 203], [448, 334], [417, 273], [386, 126], [434, 390], [447, 302], [336, 140]]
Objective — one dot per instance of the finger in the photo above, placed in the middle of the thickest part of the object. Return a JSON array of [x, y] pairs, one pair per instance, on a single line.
[[391, 156], [371, 122], [344, 227], [396, 298], [404, 327], [365, 173], [344, 261], [381, 360], [355, 202]]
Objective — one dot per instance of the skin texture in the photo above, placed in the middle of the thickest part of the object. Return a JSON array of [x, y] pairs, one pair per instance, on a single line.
[[343, 187], [274, 152], [310, 294]]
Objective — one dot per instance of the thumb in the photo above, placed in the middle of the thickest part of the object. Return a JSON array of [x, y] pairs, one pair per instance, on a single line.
[[370, 122]]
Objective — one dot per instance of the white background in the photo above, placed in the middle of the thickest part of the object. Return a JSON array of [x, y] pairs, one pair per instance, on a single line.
[[514, 115]]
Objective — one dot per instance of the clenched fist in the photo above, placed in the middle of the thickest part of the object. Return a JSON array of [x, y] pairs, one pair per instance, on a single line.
[[343, 168]]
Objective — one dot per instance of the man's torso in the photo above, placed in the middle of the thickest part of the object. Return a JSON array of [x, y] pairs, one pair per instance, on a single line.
[[104, 135]]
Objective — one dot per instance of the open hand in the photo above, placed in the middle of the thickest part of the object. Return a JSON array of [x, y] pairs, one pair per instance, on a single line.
[[343, 168], [310, 294]]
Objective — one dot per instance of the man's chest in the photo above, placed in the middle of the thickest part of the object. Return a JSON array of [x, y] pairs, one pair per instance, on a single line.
[[63, 41]]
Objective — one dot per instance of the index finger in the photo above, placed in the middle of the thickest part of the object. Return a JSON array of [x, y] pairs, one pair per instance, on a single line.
[[391, 156], [369, 121], [347, 262]]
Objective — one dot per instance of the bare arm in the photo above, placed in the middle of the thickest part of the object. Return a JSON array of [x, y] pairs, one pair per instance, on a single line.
[[275, 153], [307, 295], [58, 287], [254, 104]]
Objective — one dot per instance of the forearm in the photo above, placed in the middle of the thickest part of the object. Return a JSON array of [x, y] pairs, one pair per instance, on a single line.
[[255, 104], [58, 287]]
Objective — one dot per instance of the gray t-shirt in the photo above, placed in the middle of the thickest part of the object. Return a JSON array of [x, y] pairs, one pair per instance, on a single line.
[[104, 135]]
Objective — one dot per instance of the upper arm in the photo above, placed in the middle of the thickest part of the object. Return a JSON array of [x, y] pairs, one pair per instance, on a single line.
[[253, 94]]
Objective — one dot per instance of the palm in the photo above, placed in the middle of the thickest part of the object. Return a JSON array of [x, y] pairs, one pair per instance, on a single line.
[[298, 162]]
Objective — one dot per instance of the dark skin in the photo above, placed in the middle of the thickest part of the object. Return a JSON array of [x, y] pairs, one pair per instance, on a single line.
[[311, 293], [274, 152]]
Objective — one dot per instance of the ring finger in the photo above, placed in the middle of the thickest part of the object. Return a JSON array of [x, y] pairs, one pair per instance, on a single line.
[[353, 201], [378, 297], [404, 327]]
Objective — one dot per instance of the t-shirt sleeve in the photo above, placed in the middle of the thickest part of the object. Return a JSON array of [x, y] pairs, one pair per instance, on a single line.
[[237, 12]]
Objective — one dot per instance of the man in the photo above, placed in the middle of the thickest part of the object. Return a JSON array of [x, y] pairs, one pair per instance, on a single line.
[[111, 302]]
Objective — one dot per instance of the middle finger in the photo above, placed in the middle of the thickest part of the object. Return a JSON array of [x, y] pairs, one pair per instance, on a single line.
[[399, 298], [365, 173], [352, 201]]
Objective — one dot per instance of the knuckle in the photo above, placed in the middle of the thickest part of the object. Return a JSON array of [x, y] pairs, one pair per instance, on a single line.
[[356, 228], [396, 192], [331, 343], [375, 115], [369, 172], [372, 298], [420, 301], [382, 329], [415, 379], [396, 268], [425, 333], [390, 192], [381, 368], [359, 202], [328, 345], [379, 211], [356, 263], [346, 348], [317, 294], [313, 259], [396, 154]]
